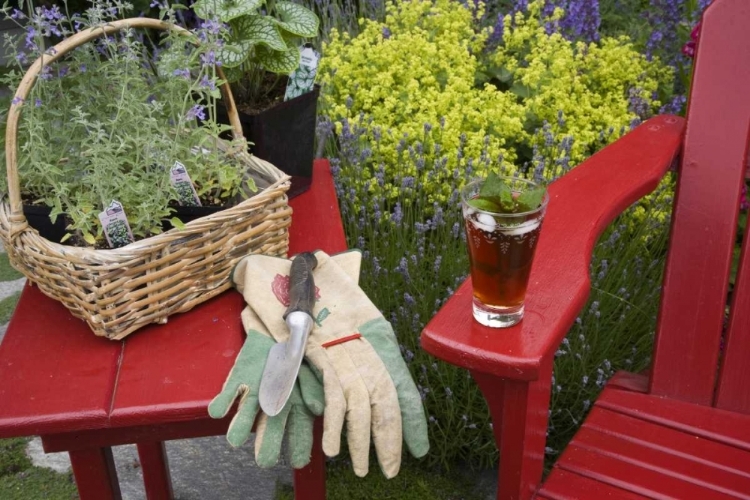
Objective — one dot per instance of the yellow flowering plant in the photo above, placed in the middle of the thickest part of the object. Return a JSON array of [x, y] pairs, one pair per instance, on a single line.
[[538, 99]]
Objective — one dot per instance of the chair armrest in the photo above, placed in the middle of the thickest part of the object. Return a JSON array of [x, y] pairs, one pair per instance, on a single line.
[[582, 203]]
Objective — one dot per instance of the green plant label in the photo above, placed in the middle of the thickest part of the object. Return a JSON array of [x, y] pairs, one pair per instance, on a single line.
[[180, 179], [115, 224], [302, 79]]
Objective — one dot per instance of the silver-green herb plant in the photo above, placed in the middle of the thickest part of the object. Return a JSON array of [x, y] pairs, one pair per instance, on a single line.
[[108, 120], [261, 36]]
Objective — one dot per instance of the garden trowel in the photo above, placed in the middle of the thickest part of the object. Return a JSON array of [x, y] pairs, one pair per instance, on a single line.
[[285, 358]]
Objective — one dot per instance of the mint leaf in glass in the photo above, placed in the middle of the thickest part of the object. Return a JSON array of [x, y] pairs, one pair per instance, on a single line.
[[497, 196], [530, 200], [484, 204]]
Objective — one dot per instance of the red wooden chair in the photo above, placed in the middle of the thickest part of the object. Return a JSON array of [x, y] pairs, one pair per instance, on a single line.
[[683, 431]]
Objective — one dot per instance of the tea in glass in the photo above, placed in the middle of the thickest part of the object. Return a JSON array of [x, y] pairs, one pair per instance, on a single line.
[[502, 222]]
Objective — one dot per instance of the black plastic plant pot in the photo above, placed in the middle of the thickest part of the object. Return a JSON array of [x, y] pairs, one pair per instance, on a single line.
[[285, 136], [38, 217], [188, 214]]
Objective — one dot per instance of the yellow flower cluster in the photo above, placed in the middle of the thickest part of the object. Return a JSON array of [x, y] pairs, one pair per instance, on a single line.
[[596, 86], [420, 67]]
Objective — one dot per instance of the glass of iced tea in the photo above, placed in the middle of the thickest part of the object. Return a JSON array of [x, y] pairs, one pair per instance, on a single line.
[[503, 218]]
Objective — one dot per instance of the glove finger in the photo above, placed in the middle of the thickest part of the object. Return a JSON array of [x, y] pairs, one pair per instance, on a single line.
[[300, 435], [242, 423], [335, 403], [219, 405], [358, 416], [379, 334], [386, 416], [311, 390], [268, 438], [350, 262]]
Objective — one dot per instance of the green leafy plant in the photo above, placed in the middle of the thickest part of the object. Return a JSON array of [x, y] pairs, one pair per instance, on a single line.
[[108, 120], [261, 36]]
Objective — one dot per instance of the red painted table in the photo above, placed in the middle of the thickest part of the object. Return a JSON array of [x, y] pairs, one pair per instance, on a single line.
[[83, 394]]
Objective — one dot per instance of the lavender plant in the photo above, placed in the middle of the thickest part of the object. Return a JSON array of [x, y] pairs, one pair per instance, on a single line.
[[108, 121]]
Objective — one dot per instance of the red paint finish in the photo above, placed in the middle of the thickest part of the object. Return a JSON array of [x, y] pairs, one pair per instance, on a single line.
[[705, 214], [582, 203], [82, 393], [95, 474], [732, 393], [635, 476], [728, 428], [310, 481], [155, 467], [519, 422], [564, 485], [54, 373]]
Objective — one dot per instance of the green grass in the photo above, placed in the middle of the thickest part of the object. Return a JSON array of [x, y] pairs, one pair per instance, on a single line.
[[7, 306], [415, 481], [7, 273], [20, 480]]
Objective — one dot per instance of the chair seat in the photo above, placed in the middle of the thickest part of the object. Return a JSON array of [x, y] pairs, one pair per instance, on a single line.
[[635, 445]]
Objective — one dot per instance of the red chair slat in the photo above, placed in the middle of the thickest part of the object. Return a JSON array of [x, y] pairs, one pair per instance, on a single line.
[[705, 214], [733, 392], [564, 485], [656, 442], [728, 428], [610, 467]]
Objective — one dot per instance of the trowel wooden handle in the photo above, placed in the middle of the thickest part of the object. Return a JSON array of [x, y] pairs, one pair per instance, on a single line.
[[301, 284]]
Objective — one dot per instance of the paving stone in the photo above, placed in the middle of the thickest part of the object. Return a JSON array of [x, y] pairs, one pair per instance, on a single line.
[[202, 469]]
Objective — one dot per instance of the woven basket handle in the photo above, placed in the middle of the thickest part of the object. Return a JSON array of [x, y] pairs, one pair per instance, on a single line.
[[55, 53]]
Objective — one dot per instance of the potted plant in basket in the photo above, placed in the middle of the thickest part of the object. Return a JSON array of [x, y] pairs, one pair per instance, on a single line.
[[262, 43], [110, 121]]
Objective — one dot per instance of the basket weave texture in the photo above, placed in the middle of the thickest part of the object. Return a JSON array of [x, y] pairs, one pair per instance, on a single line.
[[117, 291]]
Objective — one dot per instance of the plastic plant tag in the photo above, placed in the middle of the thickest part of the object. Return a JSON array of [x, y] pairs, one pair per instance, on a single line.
[[115, 224], [186, 194], [302, 79]]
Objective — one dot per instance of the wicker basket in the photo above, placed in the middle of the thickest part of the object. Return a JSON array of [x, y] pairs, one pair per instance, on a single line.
[[120, 290]]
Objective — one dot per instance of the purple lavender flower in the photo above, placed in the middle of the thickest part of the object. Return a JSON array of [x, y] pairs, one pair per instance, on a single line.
[[386, 32], [31, 34], [17, 14], [206, 82], [209, 59], [196, 111], [17, 101], [38, 103], [183, 73], [398, 215]]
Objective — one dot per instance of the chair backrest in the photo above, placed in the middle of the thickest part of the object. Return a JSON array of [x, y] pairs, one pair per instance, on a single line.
[[690, 326]]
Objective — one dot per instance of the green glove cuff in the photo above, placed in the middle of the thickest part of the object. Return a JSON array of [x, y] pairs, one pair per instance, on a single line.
[[379, 334]]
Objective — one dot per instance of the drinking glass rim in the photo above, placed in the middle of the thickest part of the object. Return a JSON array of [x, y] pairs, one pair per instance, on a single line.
[[477, 180]]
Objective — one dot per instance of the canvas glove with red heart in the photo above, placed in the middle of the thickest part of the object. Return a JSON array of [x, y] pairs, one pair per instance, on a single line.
[[366, 382]]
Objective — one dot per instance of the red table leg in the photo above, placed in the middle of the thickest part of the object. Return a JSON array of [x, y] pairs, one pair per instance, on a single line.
[[95, 474], [310, 481], [155, 467]]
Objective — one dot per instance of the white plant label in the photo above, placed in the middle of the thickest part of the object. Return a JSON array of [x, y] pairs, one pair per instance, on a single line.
[[180, 179], [115, 224], [302, 79]]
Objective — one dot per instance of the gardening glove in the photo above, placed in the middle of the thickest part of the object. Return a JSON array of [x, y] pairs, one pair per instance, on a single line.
[[357, 385], [379, 334], [297, 416]]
